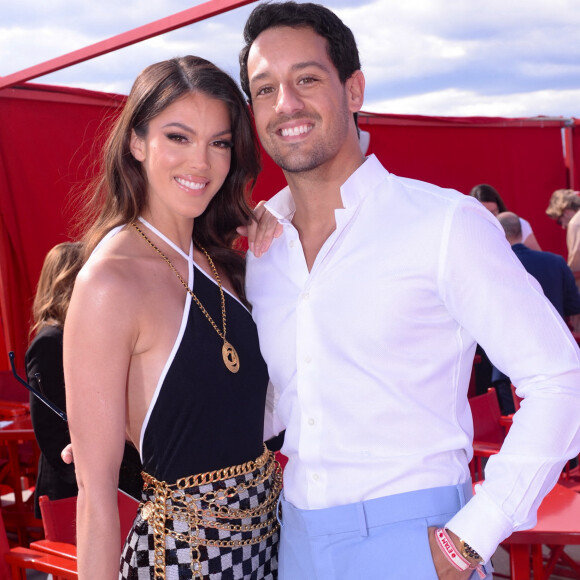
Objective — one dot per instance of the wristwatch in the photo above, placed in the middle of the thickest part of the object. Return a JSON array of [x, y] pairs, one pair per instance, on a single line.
[[468, 552]]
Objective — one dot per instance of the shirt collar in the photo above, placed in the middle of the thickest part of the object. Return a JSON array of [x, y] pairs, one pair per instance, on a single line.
[[352, 191], [282, 205], [363, 180]]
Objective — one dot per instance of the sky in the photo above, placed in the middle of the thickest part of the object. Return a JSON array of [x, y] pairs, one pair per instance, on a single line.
[[508, 58]]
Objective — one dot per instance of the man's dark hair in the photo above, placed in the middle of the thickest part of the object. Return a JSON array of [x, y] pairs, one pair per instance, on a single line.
[[341, 45]]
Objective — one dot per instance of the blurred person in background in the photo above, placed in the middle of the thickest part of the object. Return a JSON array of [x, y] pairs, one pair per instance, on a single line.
[[44, 371], [43, 361], [563, 208], [491, 199], [557, 282]]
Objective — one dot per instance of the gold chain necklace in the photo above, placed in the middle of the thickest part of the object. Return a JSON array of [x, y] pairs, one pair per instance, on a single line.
[[229, 354]]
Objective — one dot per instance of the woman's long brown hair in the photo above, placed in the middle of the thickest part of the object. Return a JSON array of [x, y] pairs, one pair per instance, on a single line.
[[59, 271], [119, 193]]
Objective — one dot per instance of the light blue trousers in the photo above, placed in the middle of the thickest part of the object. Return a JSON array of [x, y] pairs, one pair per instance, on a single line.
[[384, 538]]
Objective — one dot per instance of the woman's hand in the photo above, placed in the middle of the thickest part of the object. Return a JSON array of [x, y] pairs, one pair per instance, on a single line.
[[261, 231], [67, 454]]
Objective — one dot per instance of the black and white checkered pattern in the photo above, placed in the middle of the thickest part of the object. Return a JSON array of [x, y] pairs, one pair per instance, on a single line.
[[257, 561]]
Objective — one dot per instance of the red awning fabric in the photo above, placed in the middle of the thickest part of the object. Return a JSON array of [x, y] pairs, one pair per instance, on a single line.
[[522, 158], [575, 153], [50, 137]]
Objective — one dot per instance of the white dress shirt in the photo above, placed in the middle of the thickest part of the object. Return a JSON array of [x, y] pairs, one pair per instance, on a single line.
[[370, 354]]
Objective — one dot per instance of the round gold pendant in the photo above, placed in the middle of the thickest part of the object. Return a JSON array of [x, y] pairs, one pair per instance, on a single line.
[[147, 510], [231, 359]]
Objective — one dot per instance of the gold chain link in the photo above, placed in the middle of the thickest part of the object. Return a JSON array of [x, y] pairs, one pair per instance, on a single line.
[[221, 334], [213, 476], [158, 525], [162, 509]]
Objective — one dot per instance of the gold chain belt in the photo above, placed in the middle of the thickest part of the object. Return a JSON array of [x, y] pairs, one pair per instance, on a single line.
[[182, 501]]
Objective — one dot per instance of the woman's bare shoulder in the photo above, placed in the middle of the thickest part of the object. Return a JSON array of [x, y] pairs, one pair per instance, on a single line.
[[114, 275]]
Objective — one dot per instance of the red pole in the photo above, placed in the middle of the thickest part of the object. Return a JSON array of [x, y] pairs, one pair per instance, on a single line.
[[569, 154], [167, 24]]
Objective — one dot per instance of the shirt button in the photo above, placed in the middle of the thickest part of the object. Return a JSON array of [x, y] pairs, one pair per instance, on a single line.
[[306, 296], [311, 421], [315, 476], [308, 359], [291, 243]]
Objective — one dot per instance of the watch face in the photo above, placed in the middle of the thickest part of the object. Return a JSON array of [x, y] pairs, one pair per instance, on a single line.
[[468, 552]]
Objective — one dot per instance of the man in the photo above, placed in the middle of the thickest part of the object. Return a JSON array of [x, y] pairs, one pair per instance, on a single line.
[[550, 270], [563, 208], [557, 282], [369, 306]]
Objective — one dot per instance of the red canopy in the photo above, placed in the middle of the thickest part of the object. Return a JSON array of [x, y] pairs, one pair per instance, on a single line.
[[524, 159], [49, 140]]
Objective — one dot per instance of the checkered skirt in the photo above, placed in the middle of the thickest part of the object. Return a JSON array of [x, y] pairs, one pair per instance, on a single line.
[[249, 561]]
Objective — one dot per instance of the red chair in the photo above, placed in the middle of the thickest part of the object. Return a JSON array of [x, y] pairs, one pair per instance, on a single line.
[[21, 559], [4, 549], [59, 521], [472, 389], [128, 507], [14, 562], [570, 477], [488, 433], [18, 443], [517, 400], [554, 528], [9, 409], [486, 414], [10, 390], [506, 421]]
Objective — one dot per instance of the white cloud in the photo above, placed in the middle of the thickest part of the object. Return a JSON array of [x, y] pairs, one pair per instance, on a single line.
[[24, 47], [454, 102], [518, 57], [419, 53]]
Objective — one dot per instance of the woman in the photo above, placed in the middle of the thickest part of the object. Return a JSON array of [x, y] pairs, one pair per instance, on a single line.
[[563, 209], [44, 370], [159, 344], [492, 200]]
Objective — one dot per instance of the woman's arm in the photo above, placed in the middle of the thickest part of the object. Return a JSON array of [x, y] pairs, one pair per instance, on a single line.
[[99, 336], [532, 243]]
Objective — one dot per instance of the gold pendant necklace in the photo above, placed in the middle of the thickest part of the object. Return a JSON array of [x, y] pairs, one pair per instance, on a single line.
[[229, 354]]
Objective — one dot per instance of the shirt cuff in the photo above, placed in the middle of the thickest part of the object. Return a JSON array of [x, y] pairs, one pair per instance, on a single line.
[[481, 524]]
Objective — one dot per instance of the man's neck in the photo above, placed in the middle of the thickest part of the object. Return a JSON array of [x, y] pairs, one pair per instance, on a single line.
[[316, 193], [316, 196]]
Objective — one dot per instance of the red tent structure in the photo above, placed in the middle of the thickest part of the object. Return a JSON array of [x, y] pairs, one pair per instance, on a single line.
[[50, 137]]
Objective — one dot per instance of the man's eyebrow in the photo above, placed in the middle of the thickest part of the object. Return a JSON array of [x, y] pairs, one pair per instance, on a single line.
[[188, 129], [295, 68]]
